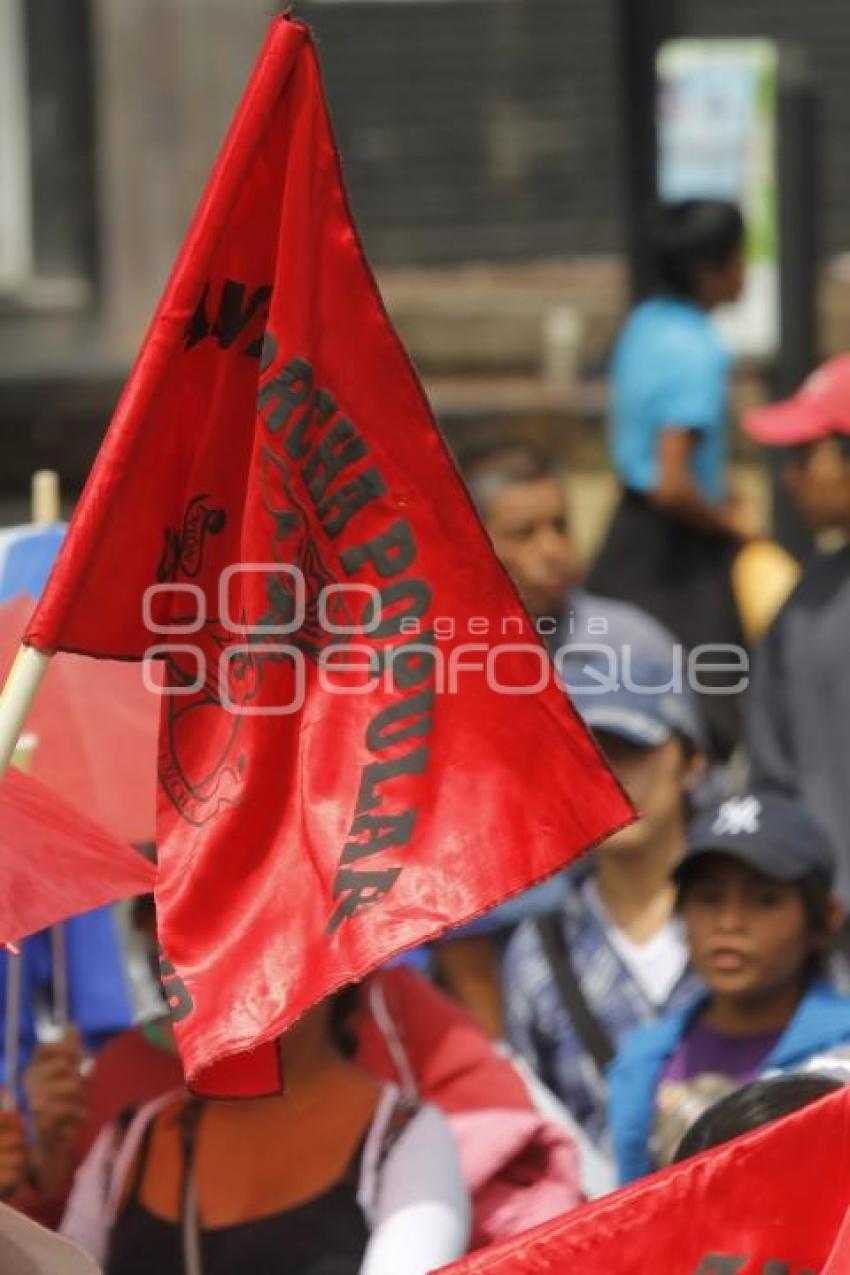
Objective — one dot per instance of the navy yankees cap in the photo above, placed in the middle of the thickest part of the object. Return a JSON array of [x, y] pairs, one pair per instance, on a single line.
[[640, 708], [768, 831]]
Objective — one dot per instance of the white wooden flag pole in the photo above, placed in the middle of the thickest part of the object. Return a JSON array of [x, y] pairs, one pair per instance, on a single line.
[[22, 684]]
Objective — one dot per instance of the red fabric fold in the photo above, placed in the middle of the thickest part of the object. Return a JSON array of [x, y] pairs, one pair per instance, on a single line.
[[56, 862]]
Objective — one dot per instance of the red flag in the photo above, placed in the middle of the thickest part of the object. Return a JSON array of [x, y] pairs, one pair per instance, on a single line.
[[273, 499], [55, 862], [770, 1203], [94, 732]]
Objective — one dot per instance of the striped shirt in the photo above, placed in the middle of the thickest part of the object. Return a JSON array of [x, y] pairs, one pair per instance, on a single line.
[[539, 1026]]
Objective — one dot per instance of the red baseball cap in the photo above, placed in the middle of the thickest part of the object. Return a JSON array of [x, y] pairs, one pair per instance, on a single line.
[[820, 407]]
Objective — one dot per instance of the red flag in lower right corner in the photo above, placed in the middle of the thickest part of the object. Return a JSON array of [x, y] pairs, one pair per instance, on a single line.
[[771, 1203]]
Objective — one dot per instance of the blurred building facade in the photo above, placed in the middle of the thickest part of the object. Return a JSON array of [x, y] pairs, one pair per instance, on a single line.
[[481, 140]]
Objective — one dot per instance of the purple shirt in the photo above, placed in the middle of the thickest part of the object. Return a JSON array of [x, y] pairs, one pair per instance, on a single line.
[[706, 1050]]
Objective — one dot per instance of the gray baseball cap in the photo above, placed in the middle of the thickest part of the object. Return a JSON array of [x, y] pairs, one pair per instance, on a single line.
[[644, 708]]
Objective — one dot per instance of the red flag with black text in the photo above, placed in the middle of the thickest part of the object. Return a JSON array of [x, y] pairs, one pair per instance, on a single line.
[[770, 1203], [362, 743]]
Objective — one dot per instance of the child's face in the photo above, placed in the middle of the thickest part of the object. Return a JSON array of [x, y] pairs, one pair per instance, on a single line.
[[818, 477], [749, 935]]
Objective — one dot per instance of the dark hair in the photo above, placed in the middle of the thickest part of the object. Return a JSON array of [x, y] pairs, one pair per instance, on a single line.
[[493, 463], [689, 236], [147, 849], [344, 1005], [142, 911], [751, 1107], [816, 894]]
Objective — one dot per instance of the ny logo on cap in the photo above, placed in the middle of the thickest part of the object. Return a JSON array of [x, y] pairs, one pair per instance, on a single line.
[[737, 815]]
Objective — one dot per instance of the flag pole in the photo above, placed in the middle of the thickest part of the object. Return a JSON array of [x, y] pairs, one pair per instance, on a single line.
[[23, 682], [12, 1030], [44, 500], [14, 979], [45, 510], [25, 677], [27, 672], [59, 969]]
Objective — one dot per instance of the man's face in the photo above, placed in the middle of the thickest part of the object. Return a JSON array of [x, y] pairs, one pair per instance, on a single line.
[[654, 779], [528, 525], [818, 477], [748, 934]]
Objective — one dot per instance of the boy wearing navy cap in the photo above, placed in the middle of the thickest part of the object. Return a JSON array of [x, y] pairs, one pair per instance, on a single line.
[[755, 893]]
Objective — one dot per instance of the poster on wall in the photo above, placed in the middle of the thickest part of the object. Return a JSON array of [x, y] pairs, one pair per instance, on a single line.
[[717, 138], [15, 217]]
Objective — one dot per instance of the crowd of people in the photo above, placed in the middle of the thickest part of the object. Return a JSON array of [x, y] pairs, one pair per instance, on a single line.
[[686, 981]]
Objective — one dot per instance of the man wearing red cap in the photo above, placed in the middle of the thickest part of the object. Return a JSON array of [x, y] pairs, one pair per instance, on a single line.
[[799, 714]]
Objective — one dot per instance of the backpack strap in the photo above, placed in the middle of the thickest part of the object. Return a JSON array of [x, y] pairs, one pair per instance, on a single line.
[[394, 1113], [589, 1029], [190, 1227]]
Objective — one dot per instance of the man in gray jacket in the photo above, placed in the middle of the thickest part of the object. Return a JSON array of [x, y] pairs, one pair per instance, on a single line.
[[799, 712]]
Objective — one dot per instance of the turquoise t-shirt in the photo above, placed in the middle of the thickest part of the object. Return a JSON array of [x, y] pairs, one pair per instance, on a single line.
[[670, 371]]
